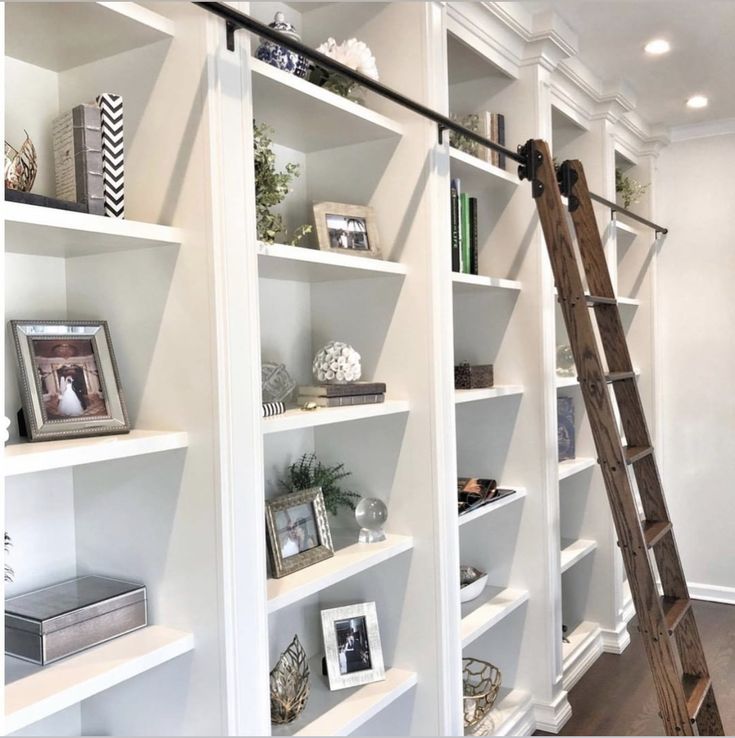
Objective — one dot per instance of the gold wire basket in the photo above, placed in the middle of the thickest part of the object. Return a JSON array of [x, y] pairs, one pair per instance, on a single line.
[[481, 682]]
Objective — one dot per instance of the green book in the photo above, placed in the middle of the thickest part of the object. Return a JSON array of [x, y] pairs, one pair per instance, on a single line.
[[464, 218]]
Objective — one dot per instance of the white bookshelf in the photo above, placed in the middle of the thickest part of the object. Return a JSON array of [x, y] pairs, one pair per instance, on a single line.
[[25, 458], [570, 467], [573, 551], [33, 693], [487, 393], [73, 36], [347, 562], [317, 119], [297, 419], [512, 714], [477, 175], [344, 711], [298, 264], [492, 606], [582, 650], [493, 507], [39, 231], [472, 282]]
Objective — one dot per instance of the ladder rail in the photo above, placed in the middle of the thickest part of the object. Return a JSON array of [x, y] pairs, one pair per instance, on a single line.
[[659, 646]]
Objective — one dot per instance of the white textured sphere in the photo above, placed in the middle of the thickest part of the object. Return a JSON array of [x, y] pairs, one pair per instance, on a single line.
[[371, 513], [337, 362]]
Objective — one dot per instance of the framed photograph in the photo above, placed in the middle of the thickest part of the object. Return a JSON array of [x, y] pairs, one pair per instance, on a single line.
[[69, 384], [298, 531], [352, 645], [347, 229]]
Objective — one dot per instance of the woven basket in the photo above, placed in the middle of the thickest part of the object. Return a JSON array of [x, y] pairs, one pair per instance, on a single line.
[[481, 682]]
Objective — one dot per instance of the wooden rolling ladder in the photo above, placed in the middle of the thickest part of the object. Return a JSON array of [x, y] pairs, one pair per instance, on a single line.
[[666, 623]]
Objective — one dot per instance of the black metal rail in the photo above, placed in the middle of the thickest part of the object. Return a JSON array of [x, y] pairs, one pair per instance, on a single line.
[[237, 20]]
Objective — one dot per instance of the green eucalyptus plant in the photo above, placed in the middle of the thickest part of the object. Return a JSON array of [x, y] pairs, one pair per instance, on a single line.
[[629, 189], [309, 472], [271, 188]]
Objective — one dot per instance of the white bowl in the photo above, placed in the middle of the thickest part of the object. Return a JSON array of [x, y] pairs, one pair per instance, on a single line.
[[470, 591]]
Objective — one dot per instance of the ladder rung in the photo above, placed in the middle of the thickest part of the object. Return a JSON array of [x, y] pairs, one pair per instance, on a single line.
[[636, 453], [695, 689], [593, 300], [674, 610], [655, 530], [619, 376]]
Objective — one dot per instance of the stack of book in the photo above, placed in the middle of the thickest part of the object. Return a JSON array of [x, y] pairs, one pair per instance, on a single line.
[[342, 395], [488, 125], [464, 230]]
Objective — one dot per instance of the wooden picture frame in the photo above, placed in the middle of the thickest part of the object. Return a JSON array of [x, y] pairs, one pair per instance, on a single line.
[[298, 531], [351, 663], [68, 377], [347, 229]]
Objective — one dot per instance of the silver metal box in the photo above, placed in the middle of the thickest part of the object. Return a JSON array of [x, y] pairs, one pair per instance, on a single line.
[[50, 623]]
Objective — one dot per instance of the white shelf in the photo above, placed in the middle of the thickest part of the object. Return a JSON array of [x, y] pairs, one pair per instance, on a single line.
[[33, 693], [573, 551], [583, 649], [298, 264], [317, 119], [487, 393], [344, 711], [59, 36], [512, 714], [345, 563], [562, 382], [628, 230], [473, 282], [31, 229], [575, 466], [494, 604], [296, 418], [25, 458], [492, 507], [477, 175]]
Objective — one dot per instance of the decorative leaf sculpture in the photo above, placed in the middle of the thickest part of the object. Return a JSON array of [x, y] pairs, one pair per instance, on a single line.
[[289, 684]]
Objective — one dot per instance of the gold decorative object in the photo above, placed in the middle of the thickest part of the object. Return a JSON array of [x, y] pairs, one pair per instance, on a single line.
[[481, 682], [289, 684], [21, 166]]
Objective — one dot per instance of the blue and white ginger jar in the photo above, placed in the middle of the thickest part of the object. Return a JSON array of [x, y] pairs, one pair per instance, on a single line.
[[279, 56]]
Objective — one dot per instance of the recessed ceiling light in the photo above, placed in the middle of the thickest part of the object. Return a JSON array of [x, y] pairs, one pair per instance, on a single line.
[[657, 46], [697, 101]]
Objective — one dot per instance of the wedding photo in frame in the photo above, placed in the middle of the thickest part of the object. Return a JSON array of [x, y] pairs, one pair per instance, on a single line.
[[68, 378], [347, 229], [298, 531], [352, 645]]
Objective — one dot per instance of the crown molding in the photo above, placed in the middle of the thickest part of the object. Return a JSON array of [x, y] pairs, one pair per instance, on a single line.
[[707, 129]]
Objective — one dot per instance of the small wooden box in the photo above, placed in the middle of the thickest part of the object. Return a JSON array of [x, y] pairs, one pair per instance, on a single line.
[[479, 376], [54, 622]]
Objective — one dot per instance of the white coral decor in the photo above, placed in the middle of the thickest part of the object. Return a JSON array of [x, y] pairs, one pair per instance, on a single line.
[[337, 362], [353, 54]]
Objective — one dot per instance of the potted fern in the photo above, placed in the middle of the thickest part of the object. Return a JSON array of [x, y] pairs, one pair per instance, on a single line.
[[309, 472]]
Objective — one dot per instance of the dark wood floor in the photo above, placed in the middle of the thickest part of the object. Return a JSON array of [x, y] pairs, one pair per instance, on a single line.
[[616, 696]]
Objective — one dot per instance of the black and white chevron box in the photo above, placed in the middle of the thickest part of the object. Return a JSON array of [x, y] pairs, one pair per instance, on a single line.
[[113, 153], [273, 408]]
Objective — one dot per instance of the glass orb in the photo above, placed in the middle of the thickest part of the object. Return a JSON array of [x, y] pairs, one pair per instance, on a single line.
[[371, 514]]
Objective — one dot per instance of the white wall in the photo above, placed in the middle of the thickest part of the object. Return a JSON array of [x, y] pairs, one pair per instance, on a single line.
[[696, 315]]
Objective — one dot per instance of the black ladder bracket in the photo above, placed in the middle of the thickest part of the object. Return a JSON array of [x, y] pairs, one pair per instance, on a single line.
[[533, 160], [567, 178], [230, 30]]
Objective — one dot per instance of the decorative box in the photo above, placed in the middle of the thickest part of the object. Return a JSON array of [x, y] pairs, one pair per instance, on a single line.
[[50, 623], [565, 424], [479, 376]]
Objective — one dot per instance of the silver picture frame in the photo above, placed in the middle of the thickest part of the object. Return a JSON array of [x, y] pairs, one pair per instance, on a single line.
[[50, 353], [369, 667], [297, 542], [353, 224]]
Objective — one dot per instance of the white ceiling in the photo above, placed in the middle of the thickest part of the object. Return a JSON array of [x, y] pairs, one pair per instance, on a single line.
[[612, 34]]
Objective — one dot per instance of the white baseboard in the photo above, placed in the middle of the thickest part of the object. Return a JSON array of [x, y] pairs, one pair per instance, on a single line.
[[615, 641], [712, 592], [576, 665], [551, 717]]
